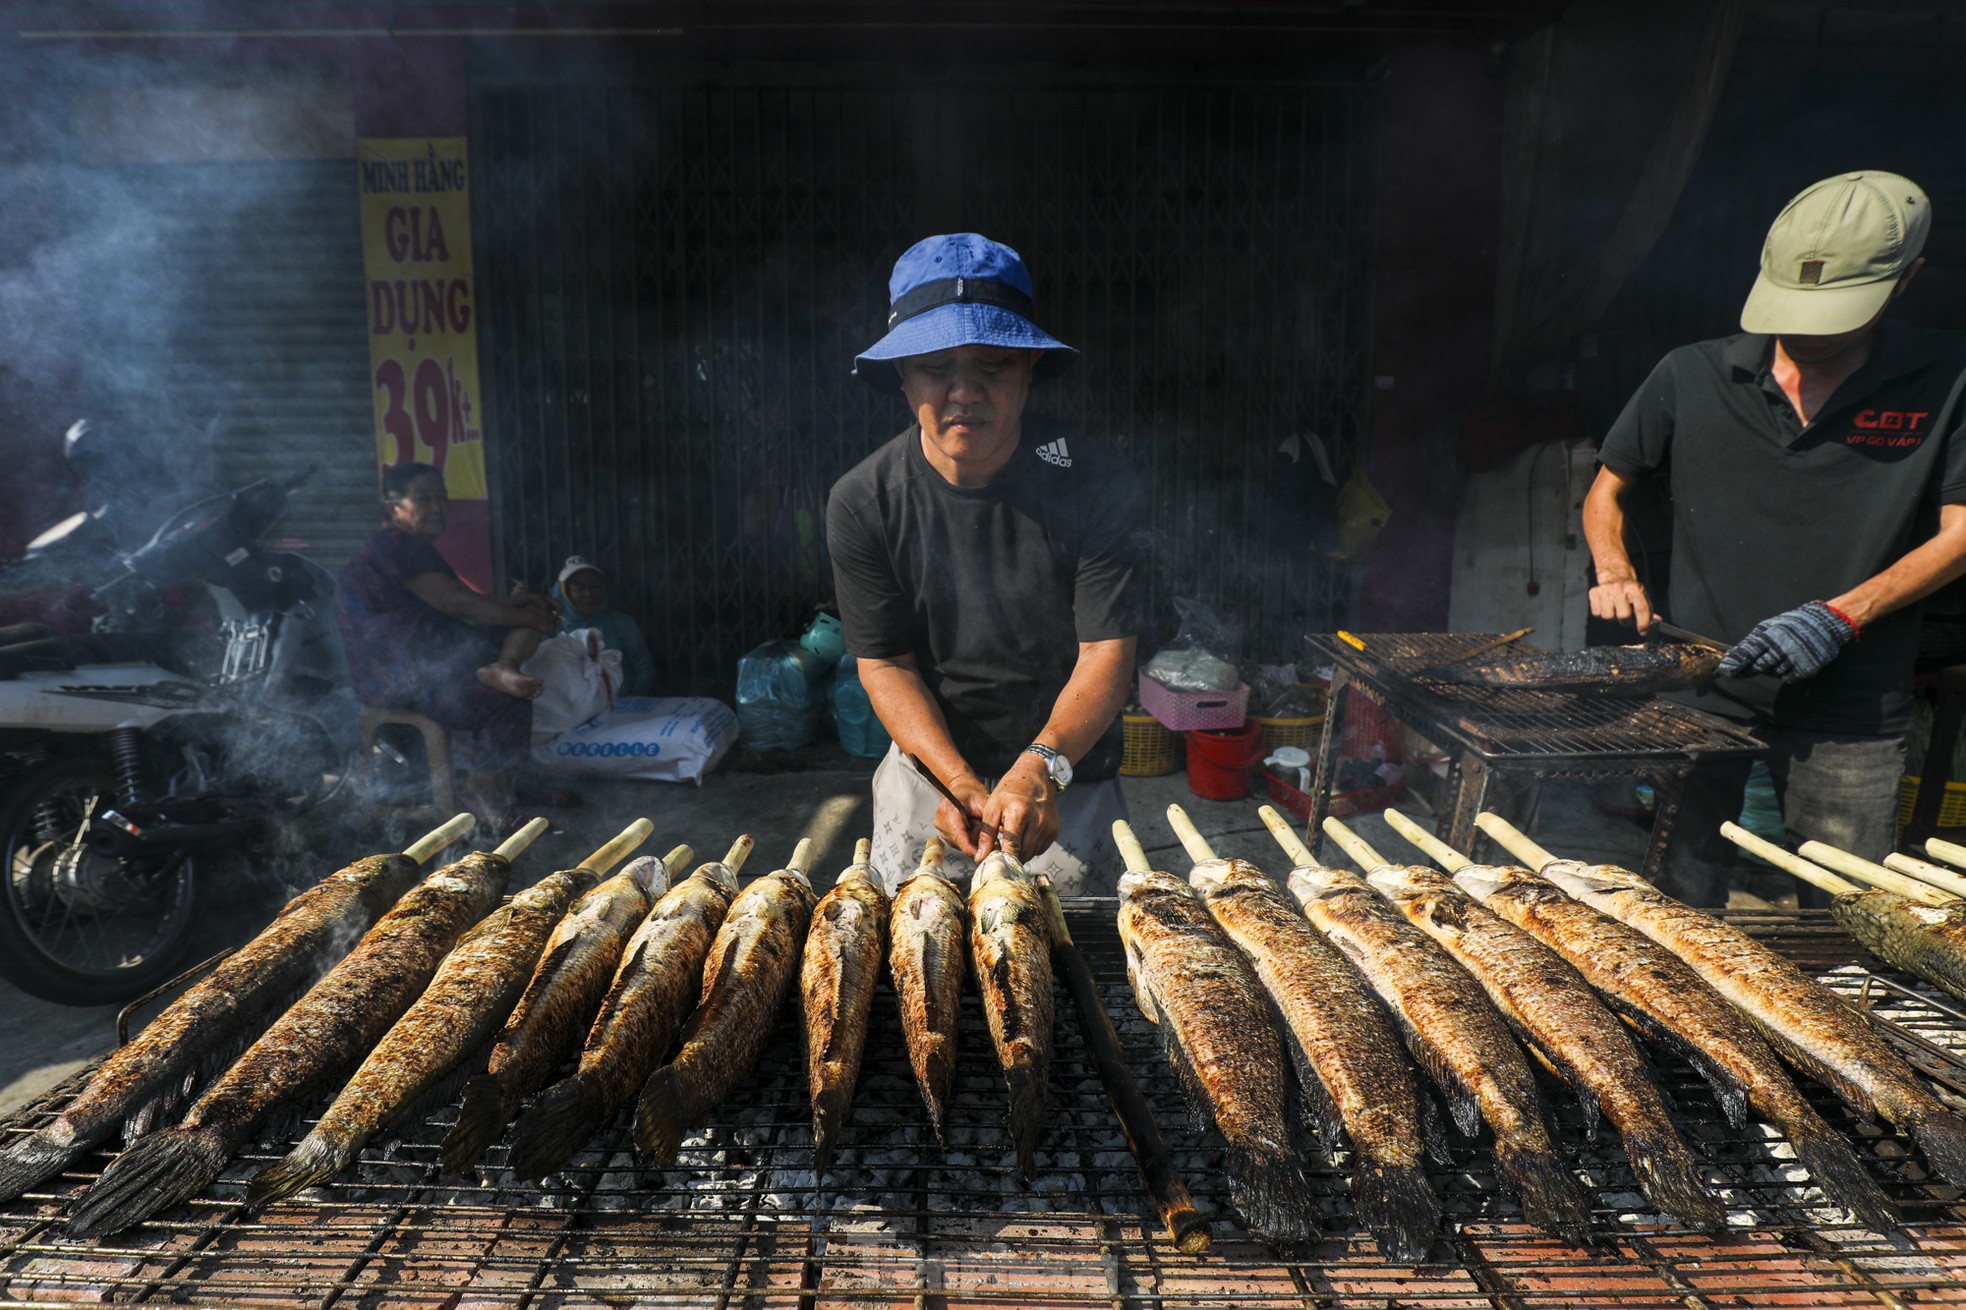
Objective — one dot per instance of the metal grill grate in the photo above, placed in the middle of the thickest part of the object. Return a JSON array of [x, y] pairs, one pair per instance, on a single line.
[[1501, 723], [899, 1224]]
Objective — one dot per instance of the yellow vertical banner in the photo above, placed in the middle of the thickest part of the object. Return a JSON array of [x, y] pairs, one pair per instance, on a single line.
[[423, 328]]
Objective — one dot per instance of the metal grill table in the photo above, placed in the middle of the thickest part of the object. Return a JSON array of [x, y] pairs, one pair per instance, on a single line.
[[899, 1223], [1504, 742]]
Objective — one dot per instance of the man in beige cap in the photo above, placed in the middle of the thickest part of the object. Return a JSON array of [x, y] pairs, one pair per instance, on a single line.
[[1818, 482]]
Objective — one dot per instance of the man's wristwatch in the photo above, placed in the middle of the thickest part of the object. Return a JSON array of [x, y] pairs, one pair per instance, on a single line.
[[1055, 764]]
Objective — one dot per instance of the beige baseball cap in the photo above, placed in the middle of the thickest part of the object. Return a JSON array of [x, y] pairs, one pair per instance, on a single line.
[[1835, 253]]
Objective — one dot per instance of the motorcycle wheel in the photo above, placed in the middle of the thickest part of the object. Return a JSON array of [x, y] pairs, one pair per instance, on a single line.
[[75, 927]]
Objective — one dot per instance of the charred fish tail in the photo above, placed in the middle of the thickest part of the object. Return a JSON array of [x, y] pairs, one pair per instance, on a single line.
[[32, 1161], [668, 1109], [1670, 1175], [1550, 1195], [830, 1105], [1942, 1136], [1836, 1169], [155, 1174], [1269, 1189], [564, 1118], [1397, 1205], [480, 1119], [315, 1160], [1026, 1079]]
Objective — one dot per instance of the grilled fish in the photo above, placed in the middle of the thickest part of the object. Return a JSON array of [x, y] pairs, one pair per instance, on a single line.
[[659, 981], [1817, 1030], [750, 971], [217, 1015], [1010, 945], [1215, 1029], [1608, 670], [1347, 1056], [1928, 940], [927, 956], [318, 1039], [558, 1004], [1561, 1020], [841, 965], [1662, 996], [473, 989], [1455, 1034]]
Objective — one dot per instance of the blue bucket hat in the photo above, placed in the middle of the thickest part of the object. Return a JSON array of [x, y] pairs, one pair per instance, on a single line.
[[958, 290]]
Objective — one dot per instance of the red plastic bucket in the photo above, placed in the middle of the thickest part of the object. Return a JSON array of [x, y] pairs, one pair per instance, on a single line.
[[1219, 760]]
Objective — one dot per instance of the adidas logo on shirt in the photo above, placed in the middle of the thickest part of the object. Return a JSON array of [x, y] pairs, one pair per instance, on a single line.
[[1054, 452]]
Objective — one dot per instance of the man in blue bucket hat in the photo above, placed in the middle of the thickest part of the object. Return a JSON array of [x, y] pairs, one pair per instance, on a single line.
[[989, 576]]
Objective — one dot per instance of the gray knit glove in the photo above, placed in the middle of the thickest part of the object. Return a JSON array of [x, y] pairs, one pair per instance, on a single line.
[[1794, 644]]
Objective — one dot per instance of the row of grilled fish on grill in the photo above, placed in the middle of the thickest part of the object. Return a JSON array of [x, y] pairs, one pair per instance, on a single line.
[[405, 982], [1244, 984], [1478, 977]]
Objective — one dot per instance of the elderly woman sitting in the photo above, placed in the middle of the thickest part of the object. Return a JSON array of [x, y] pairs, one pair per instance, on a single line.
[[418, 639]]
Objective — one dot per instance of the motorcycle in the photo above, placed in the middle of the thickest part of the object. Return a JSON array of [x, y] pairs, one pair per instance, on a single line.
[[206, 710]]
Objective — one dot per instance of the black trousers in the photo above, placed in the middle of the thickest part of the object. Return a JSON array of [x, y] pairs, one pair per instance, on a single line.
[[1842, 791]]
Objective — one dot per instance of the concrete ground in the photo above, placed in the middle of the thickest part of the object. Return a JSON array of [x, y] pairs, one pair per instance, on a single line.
[[827, 799]]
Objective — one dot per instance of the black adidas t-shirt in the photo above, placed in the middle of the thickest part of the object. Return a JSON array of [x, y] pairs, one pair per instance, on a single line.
[[1769, 514], [991, 588]]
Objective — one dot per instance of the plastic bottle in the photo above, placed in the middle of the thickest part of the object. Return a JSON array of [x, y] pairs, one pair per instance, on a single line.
[[859, 729]]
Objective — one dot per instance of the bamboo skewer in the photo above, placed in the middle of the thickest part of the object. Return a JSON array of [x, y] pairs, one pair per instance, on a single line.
[[1788, 861], [1132, 854], [510, 848], [1191, 839], [1187, 1228], [1354, 845], [1426, 843], [740, 850], [1951, 852], [1286, 835], [801, 858], [1925, 871], [623, 845], [1876, 875], [426, 847], [1513, 840], [678, 860]]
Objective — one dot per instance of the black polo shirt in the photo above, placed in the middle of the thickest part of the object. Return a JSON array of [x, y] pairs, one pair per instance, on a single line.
[[1769, 514], [992, 588]]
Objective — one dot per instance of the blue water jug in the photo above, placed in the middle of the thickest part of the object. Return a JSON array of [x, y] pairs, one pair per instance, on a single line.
[[781, 697], [859, 729]]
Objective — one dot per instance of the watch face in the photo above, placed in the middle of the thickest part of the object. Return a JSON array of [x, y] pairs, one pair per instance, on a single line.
[[1061, 770]]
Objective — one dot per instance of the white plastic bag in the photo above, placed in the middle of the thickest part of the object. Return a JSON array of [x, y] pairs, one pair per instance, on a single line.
[[669, 739], [580, 676]]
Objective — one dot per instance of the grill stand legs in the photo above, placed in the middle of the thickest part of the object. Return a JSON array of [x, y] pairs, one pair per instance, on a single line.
[[1474, 785]]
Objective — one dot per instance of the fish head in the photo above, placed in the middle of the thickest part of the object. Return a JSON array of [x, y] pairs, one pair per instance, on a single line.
[[649, 873], [718, 872], [1397, 880], [1142, 882], [1212, 876], [1484, 881], [861, 873], [1580, 879], [999, 863], [1316, 882]]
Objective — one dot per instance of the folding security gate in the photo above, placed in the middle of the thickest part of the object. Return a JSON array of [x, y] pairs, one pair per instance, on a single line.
[[675, 279]]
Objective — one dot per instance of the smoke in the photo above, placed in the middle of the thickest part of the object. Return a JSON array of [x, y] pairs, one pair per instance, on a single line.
[[144, 193]]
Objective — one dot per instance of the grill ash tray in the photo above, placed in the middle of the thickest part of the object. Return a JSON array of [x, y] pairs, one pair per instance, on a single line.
[[739, 1221]]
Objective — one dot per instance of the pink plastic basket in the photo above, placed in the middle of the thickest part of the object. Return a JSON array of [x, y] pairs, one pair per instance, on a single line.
[[1185, 711]]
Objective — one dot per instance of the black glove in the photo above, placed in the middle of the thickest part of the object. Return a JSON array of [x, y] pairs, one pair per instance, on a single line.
[[1794, 644]]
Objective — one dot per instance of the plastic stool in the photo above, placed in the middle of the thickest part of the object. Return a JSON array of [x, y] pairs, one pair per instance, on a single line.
[[436, 749]]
